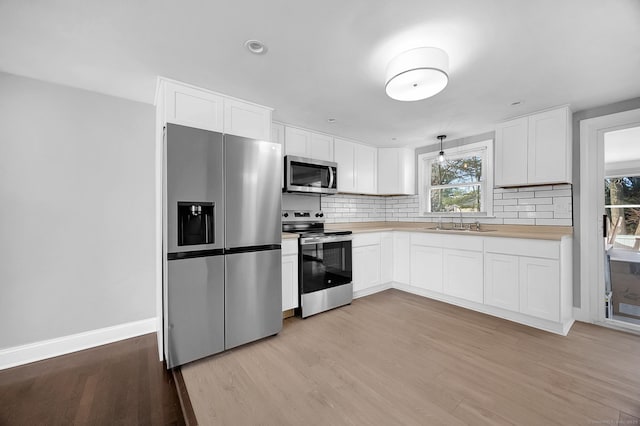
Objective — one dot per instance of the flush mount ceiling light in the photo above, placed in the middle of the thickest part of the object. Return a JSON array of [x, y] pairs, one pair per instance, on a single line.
[[417, 74], [441, 153], [256, 47]]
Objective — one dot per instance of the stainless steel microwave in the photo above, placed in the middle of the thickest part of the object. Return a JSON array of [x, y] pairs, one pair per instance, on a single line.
[[308, 175]]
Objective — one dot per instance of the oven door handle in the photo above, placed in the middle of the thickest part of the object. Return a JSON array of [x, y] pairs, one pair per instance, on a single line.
[[321, 240]]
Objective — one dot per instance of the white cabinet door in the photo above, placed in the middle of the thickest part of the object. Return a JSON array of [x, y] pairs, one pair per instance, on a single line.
[[396, 171], [511, 152], [277, 134], [548, 143], [366, 267], [402, 257], [386, 257], [297, 141], [194, 108], [426, 267], [463, 274], [540, 288], [501, 281], [248, 120], [344, 156], [289, 282], [365, 169], [321, 147]]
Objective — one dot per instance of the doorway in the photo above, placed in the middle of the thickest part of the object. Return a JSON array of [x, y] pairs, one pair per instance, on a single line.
[[609, 216], [622, 225]]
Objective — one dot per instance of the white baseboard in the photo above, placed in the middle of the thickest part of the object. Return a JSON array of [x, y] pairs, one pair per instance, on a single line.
[[19, 355], [375, 289]]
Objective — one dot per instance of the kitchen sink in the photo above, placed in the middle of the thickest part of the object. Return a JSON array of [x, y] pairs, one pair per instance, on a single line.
[[460, 230]]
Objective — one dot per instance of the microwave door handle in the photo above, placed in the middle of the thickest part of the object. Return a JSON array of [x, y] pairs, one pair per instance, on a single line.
[[330, 177]]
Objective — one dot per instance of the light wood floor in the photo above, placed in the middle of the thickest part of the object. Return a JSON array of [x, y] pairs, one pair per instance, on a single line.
[[395, 358]]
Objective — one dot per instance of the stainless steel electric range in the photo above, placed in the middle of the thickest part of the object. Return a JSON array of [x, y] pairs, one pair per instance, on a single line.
[[324, 259]]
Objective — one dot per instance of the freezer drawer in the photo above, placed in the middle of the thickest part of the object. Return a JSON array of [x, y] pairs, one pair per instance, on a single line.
[[194, 309], [253, 296]]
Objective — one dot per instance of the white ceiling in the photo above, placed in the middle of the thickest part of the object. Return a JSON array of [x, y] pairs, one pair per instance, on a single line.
[[327, 58]]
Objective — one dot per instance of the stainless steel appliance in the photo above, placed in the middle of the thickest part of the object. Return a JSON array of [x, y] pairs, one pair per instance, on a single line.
[[308, 175], [325, 266], [223, 234]]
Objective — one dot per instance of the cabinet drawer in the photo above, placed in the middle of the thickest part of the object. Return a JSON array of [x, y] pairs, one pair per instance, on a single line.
[[463, 242], [290, 246], [361, 240], [520, 247], [426, 239]]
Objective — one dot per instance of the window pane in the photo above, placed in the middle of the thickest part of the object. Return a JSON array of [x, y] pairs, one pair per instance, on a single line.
[[464, 198], [622, 190], [457, 170]]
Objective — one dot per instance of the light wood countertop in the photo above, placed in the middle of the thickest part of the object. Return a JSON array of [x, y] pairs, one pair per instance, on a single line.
[[505, 231], [289, 236]]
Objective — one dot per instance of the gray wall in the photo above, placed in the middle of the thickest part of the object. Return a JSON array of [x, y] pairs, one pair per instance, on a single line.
[[577, 117], [76, 211]]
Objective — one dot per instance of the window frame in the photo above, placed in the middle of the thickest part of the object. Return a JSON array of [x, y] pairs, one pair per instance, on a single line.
[[484, 149]]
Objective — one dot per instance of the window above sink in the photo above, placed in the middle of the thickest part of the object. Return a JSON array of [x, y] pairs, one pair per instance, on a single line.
[[460, 185]]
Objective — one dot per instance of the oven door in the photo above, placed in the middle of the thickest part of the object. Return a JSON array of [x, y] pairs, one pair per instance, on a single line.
[[324, 263]]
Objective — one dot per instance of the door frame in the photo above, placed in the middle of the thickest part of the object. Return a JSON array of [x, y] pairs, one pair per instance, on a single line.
[[592, 133]]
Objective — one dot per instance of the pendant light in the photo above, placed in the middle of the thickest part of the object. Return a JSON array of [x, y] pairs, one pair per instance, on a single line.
[[441, 154]]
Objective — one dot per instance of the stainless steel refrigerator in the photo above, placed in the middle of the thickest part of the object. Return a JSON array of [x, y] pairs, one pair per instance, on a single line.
[[223, 233]]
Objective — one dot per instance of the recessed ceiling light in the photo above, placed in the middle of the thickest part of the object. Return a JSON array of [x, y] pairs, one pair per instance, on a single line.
[[331, 120], [256, 47]]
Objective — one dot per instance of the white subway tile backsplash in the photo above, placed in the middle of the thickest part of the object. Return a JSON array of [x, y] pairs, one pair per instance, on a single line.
[[533, 205], [511, 202], [519, 221], [535, 215], [520, 208], [554, 193], [527, 194], [546, 200]]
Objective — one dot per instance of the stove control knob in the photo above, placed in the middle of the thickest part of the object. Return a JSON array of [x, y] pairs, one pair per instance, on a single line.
[[319, 214], [285, 214]]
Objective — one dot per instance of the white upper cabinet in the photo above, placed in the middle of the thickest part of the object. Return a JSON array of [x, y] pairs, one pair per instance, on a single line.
[[357, 167], [304, 143], [246, 119], [297, 141], [344, 156], [321, 147], [366, 164], [534, 150], [396, 171], [203, 109], [277, 133], [193, 107], [511, 153]]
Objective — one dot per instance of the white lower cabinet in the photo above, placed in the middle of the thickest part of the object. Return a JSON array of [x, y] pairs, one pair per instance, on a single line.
[[426, 267], [540, 288], [386, 257], [462, 274], [402, 257], [501, 281], [366, 267], [289, 274], [523, 280]]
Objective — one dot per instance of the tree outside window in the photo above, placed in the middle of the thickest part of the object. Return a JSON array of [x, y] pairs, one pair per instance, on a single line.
[[460, 183]]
